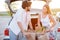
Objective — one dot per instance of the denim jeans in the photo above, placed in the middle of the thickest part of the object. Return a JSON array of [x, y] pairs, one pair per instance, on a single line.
[[20, 36]]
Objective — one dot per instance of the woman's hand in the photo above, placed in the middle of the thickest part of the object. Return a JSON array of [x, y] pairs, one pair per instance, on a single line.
[[51, 29]]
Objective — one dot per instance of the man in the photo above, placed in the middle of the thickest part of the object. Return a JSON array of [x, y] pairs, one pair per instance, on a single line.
[[8, 4], [20, 21]]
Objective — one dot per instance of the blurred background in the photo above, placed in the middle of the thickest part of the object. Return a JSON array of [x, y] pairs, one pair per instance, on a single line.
[[37, 5]]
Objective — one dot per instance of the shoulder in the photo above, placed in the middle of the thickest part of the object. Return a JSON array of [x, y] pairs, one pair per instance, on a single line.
[[18, 13], [19, 10], [49, 15]]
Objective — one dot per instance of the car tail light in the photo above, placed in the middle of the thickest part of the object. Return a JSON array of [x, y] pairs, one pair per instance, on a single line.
[[58, 30], [6, 32]]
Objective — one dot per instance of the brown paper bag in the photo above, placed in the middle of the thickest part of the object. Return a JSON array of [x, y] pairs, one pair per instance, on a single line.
[[43, 37], [30, 36]]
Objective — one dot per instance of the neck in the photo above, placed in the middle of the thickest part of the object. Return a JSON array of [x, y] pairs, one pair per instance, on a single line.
[[25, 10], [44, 13]]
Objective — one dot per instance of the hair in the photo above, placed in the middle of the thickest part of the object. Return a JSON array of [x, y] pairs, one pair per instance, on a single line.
[[26, 0], [26, 4], [44, 0], [48, 8]]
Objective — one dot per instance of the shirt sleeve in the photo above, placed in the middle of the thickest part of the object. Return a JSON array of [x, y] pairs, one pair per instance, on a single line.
[[18, 16]]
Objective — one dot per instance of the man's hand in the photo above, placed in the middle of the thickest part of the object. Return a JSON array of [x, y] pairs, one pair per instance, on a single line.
[[31, 30], [50, 30], [26, 33]]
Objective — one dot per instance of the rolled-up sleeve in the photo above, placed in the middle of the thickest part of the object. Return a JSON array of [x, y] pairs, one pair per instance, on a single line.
[[19, 19]]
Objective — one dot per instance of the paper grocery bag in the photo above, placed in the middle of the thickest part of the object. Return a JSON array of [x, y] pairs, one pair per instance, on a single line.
[[43, 37], [31, 36]]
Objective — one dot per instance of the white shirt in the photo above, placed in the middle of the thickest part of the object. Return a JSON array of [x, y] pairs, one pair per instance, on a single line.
[[20, 16], [45, 21]]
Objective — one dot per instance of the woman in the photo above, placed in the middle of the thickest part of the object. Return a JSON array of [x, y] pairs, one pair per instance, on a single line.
[[46, 18]]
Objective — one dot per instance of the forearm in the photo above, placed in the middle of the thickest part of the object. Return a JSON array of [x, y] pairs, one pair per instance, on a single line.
[[39, 24], [30, 24], [52, 20], [53, 25], [20, 26]]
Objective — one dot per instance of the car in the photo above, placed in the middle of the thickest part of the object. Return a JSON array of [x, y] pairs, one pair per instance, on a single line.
[[6, 34]]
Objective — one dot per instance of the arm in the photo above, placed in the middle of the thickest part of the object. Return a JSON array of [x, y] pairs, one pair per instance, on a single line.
[[20, 26], [39, 21], [39, 24], [30, 24], [53, 21]]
